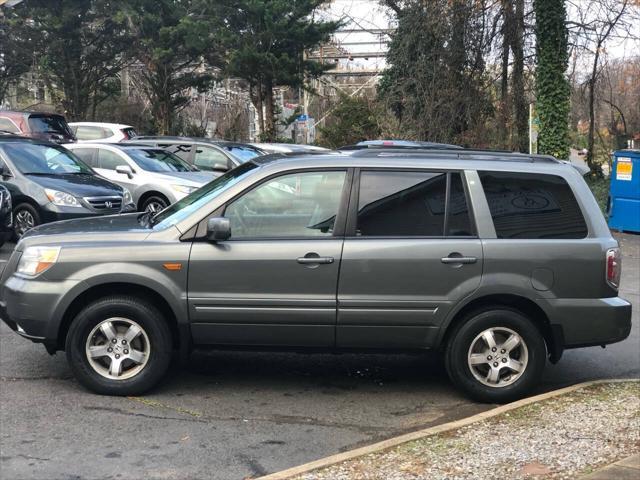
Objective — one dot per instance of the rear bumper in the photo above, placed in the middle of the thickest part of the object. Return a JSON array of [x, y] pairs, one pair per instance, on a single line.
[[590, 321]]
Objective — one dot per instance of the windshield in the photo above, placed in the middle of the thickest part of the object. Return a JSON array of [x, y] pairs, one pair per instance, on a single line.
[[49, 124], [192, 202], [37, 159], [158, 160], [243, 154]]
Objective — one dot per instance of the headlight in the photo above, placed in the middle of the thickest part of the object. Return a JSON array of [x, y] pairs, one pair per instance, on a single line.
[[184, 188], [126, 197], [61, 199], [35, 260]]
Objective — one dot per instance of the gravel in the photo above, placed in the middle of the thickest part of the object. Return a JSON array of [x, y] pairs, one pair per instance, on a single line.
[[556, 439]]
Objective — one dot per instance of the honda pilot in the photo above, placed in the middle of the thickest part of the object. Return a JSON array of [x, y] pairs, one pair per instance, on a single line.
[[498, 260]]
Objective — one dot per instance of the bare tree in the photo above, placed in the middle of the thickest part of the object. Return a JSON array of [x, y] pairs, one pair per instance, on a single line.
[[597, 22]]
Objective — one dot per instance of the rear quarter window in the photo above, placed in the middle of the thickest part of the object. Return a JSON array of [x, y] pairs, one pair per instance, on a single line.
[[532, 206]]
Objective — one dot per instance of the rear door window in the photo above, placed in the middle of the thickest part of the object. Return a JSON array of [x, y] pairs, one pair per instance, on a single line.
[[532, 205], [208, 158], [85, 132], [412, 204], [87, 155], [49, 124], [8, 126], [110, 160]]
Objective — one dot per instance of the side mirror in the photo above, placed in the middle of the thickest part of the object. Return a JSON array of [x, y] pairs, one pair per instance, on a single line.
[[220, 167], [5, 172], [125, 170], [218, 229]]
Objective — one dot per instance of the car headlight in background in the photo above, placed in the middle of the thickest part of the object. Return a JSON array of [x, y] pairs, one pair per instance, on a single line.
[[35, 260], [61, 199], [184, 189], [126, 197]]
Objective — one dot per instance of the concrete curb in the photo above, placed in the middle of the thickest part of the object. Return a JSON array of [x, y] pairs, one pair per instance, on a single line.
[[395, 441]]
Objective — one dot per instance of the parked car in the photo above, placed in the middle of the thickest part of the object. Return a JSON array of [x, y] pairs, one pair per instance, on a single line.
[[43, 126], [155, 177], [499, 260], [288, 148], [102, 132], [6, 215], [203, 153], [49, 183]]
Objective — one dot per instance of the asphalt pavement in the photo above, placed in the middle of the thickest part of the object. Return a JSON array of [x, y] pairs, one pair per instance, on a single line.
[[233, 415]]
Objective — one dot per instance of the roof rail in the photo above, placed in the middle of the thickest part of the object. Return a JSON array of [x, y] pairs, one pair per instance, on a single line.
[[457, 154]]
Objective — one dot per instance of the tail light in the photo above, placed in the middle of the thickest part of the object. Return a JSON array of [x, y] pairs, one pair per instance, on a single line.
[[126, 134], [614, 267]]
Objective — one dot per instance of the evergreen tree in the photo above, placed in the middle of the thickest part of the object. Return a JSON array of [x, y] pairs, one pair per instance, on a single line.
[[264, 43], [80, 46], [172, 38]]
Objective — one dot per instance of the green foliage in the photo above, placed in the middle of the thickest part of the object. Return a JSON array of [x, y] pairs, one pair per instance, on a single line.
[[600, 188], [353, 120], [435, 84], [15, 50], [552, 85], [80, 46], [264, 42], [171, 39]]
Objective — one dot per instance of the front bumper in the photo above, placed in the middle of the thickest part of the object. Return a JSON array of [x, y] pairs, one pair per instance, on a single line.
[[590, 321], [27, 307], [54, 213]]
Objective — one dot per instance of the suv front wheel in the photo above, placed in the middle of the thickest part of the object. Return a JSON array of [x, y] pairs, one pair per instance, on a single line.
[[496, 355], [119, 345]]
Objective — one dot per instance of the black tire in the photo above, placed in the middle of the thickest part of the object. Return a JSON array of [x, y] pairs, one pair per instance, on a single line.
[[460, 342], [159, 201], [18, 211], [142, 312]]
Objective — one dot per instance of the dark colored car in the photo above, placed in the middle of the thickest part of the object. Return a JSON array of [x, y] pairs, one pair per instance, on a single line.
[[43, 126], [6, 215], [49, 183], [500, 261], [204, 153]]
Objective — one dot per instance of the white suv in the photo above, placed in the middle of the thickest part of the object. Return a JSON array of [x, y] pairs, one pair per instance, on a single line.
[[102, 132]]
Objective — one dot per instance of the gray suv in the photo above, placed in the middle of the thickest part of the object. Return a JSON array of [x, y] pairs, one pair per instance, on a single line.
[[501, 261]]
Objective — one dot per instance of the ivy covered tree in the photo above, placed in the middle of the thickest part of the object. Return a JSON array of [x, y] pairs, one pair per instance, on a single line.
[[264, 43], [80, 47], [435, 81], [552, 85]]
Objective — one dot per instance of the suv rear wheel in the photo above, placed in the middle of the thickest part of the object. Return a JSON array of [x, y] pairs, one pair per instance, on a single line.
[[119, 345], [496, 355]]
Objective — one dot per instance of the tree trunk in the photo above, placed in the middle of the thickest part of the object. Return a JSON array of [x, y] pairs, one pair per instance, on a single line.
[[519, 99], [255, 92], [269, 113], [504, 106], [591, 163]]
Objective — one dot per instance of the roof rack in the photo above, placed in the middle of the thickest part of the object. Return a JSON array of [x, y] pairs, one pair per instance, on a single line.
[[457, 154]]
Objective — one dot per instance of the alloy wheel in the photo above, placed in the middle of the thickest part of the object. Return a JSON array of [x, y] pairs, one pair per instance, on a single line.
[[118, 348], [154, 207], [23, 221], [498, 357]]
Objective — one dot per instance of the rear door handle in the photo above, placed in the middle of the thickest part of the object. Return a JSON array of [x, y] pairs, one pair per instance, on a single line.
[[314, 259], [458, 259]]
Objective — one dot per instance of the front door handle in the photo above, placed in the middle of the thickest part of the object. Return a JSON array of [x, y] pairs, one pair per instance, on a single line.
[[314, 259], [457, 258]]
